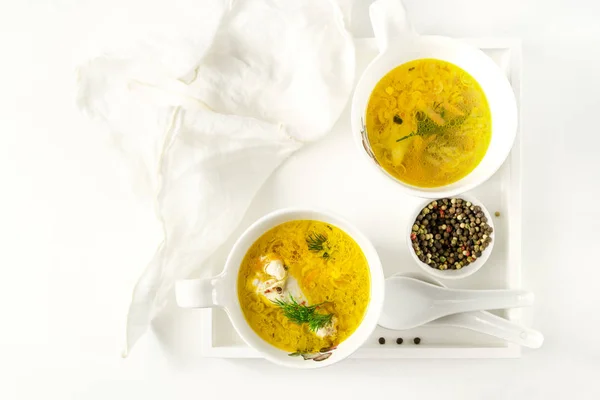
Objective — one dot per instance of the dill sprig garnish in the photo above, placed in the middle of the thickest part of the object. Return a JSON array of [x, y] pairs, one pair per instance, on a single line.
[[315, 241], [426, 127], [302, 314], [318, 242]]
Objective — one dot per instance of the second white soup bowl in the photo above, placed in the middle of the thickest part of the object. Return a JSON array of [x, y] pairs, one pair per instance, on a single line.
[[221, 291]]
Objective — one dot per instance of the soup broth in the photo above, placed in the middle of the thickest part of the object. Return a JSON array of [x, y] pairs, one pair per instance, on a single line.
[[428, 123], [304, 286]]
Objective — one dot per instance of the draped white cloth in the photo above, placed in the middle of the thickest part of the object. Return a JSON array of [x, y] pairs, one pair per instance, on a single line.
[[205, 117]]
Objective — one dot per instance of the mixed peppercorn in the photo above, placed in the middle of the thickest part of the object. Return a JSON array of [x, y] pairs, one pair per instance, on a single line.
[[450, 233]]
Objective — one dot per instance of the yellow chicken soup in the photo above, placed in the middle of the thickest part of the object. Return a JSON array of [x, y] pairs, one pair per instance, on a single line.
[[304, 286], [428, 123]]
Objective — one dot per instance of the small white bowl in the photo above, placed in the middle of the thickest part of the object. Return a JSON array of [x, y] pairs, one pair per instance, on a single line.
[[453, 273]]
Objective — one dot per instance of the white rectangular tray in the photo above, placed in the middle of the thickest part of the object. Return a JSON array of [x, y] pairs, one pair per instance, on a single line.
[[331, 174]]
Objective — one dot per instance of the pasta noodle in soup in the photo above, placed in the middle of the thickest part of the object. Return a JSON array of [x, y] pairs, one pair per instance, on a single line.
[[428, 123], [304, 286]]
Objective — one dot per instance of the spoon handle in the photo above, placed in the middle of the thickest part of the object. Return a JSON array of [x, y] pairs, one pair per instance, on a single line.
[[493, 325], [476, 300]]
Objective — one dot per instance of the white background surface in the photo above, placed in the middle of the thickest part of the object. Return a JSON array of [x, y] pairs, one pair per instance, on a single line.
[[74, 238]]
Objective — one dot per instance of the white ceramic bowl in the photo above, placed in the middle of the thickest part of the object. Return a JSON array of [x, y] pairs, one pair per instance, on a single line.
[[398, 45], [221, 291], [453, 273]]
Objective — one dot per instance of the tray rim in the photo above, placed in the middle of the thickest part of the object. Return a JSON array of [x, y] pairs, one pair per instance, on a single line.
[[509, 350]]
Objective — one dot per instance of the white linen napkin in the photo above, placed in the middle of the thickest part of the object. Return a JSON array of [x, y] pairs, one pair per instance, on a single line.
[[205, 117]]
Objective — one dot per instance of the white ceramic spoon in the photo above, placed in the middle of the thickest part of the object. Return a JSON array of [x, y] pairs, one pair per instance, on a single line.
[[493, 325], [485, 322], [411, 302]]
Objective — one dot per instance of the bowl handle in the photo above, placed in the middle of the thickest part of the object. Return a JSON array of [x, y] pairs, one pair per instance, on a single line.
[[389, 21], [198, 293]]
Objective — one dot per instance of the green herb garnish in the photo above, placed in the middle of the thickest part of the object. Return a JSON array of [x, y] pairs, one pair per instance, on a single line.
[[317, 242], [426, 127], [302, 314], [409, 136]]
